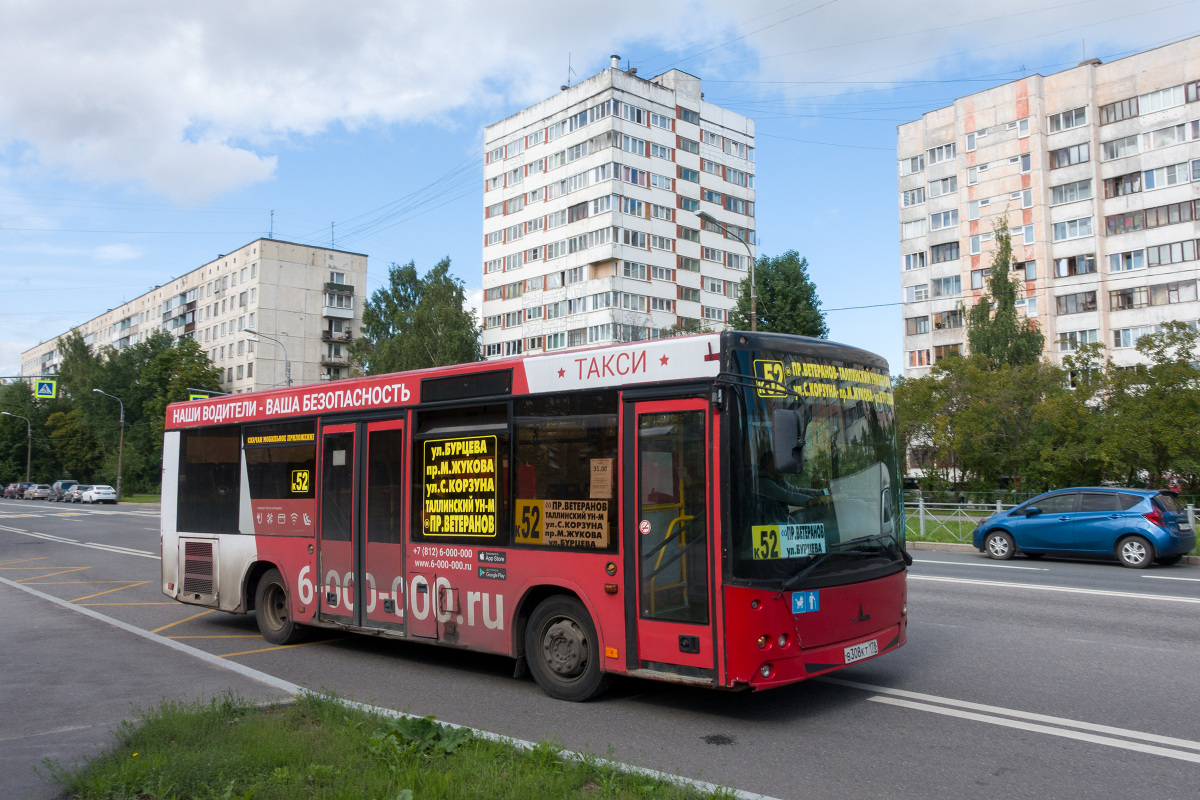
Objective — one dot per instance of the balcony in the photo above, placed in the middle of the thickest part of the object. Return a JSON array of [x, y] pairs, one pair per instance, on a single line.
[[332, 336], [339, 288], [328, 360]]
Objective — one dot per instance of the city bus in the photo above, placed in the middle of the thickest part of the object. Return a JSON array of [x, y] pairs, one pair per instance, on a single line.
[[721, 510]]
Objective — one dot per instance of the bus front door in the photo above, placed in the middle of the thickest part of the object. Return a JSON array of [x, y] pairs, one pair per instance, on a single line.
[[382, 581], [670, 527], [337, 540]]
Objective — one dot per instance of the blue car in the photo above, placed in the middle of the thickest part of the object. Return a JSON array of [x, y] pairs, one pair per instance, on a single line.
[[1137, 526]]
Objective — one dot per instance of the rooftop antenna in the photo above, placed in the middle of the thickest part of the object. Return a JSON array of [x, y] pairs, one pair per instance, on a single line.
[[331, 239], [271, 235], [570, 71]]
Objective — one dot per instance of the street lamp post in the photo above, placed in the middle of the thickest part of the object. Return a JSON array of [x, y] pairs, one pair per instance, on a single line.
[[287, 365], [28, 440], [704, 215], [121, 446]]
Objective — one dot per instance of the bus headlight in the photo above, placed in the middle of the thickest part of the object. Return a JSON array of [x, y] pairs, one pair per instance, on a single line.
[[763, 641], [765, 670]]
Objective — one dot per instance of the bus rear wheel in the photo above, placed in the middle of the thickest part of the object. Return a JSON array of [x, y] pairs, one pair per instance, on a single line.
[[563, 650], [273, 612]]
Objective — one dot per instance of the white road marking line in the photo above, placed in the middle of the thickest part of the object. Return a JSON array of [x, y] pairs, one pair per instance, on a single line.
[[1171, 578], [296, 689], [968, 564], [108, 548], [1012, 712], [1028, 726], [1065, 589]]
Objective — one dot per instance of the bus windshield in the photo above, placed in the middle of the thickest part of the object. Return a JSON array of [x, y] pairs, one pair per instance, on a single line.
[[816, 501]]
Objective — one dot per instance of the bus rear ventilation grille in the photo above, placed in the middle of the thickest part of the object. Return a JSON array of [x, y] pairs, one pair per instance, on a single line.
[[198, 568]]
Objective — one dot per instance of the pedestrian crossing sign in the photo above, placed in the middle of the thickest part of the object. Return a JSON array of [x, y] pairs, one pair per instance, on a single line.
[[46, 389]]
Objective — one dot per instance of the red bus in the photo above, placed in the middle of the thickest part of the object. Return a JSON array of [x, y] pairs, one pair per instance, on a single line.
[[722, 510]]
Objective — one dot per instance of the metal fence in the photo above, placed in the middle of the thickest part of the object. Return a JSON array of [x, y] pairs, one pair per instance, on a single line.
[[955, 522]]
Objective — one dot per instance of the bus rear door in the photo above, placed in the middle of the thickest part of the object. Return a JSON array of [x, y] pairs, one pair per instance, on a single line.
[[337, 540]]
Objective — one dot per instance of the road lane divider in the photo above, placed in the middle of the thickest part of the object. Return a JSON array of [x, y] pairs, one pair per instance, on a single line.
[[1030, 716], [1171, 578], [1065, 733], [1064, 589], [969, 564], [295, 689], [108, 548], [185, 619]]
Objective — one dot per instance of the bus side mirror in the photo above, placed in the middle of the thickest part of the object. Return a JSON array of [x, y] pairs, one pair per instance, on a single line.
[[787, 440]]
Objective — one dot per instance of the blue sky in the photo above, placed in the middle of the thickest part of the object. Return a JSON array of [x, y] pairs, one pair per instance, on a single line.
[[140, 140]]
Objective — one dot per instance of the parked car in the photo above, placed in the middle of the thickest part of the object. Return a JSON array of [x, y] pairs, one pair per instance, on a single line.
[[10, 490], [18, 490], [1136, 526], [59, 488], [38, 491], [76, 492], [98, 494]]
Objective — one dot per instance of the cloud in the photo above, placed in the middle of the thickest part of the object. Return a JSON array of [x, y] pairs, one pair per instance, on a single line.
[[185, 99]]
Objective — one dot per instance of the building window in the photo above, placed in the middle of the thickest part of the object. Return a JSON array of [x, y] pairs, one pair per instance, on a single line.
[[1170, 293], [1123, 185], [947, 287], [1119, 148], [1069, 341], [1069, 192], [686, 174], [908, 166], [1066, 156], [978, 276], [942, 350], [913, 229], [1163, 98], [941, 154], [1126, 262], [1066, 120], [1150, 218], [1115, 112], [913, 197], [1128, 337], [918, 358], [1126, 299], [1074, 265], [1072, 229], [916, 294], [944, 252], [1171, 175], [944, 320], [1076, 303], [943, 219], [943, 186], [916, 325], [914, 260], [1175, 253]]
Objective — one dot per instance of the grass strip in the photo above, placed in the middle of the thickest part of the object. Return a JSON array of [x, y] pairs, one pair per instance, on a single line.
[[317, 747], [142, 498]]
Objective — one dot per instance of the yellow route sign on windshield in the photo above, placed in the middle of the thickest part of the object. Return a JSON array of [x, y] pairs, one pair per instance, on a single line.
[[770, 376]]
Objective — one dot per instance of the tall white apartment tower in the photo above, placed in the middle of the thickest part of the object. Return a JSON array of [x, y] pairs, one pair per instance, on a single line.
[[1097, 170], [591, 229]]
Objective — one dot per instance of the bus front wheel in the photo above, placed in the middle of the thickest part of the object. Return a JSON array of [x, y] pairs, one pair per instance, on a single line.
[[563, 650], [272, 610]]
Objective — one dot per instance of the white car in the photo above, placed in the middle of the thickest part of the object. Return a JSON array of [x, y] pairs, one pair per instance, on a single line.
[[99, 494]]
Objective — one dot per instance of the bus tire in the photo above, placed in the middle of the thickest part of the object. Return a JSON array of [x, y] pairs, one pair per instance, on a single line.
[[563, 650], [273, 610]]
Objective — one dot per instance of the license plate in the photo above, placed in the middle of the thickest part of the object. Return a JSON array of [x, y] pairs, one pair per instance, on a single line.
[[1185, 526], [857, 652]]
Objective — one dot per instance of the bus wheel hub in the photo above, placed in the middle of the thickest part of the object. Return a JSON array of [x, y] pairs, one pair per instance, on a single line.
[[565, 647]]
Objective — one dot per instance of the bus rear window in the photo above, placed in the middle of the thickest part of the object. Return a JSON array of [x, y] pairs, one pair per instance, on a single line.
[[209, 476]]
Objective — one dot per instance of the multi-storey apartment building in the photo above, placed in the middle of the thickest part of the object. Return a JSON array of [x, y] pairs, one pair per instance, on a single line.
[[1097, 171], [307, 298], [592, 200]]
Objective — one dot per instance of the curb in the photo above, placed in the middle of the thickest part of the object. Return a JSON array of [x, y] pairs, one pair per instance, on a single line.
[[954, 547]]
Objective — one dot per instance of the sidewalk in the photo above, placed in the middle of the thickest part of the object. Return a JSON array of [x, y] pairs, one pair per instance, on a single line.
[[67, 680]]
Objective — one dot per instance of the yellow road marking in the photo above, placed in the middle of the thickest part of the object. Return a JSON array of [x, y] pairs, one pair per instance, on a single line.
[[52, 574], [280, 647], [180, 622], [64, 583], [230, 636], [110, 591], [23, 560], [128, 604]]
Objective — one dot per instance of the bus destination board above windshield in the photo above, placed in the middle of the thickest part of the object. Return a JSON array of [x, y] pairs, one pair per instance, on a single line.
[[459, 497]]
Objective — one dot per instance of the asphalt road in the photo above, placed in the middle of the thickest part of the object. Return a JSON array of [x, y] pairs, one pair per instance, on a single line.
[[1049, 678]]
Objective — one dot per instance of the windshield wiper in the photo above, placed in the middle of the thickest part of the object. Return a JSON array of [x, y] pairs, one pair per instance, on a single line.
[[796, 579], [734, 379]]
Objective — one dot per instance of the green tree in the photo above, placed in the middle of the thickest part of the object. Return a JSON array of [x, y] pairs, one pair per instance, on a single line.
[[999, 337], [417, 322], [787, 298]]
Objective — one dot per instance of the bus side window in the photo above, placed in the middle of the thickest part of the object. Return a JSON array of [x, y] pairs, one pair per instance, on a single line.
[[209, 480], [460, 477], [565, 451]]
